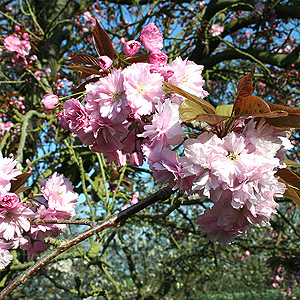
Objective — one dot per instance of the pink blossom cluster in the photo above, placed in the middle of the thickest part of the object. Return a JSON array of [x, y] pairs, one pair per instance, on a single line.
[[20, 48], [128, 109], [216, 30], [57, 202], [237, 172], [128, 115]]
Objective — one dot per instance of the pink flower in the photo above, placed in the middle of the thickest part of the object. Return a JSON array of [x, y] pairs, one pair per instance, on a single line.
[[187, 76], [89, 18], [124, 207], [13, 44], [39, 232], [134, 198], [7, 172], [158, 58], [75, 118], [13, 220], [50, 101], [237, 174], [164, 164], [106, 98], [165, 128], [105, 62], [5, 256], [151, 38], [8, 200], [131, 47], [58, 191], [216, 29], [5, 127], [143, 89]]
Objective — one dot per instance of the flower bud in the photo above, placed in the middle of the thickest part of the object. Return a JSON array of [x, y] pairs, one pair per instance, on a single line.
[[131, 47], [50, 101], [105, 62]]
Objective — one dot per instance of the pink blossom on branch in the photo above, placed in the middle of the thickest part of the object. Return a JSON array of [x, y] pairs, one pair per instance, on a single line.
[[7, 171], [13, 44], [216, 30], [152, 38], [131, 47], [143, 89], [50, 101], [105, 62], [58, 191]]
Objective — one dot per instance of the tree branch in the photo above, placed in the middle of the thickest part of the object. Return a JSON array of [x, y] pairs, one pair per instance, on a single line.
[[113, 221]]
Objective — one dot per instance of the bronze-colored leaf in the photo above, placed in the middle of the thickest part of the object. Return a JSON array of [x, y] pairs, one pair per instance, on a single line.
[[202, 103], [88, 70], [250, 106], [244, 89], [81, 87], [102, 41], [22, 189], [211, 119], [291, 193], [290, 121], [136, 59], [290, 177], [126, 182], [83, 58], [290, 110], [291, 163], [19, 181], [114, 175]]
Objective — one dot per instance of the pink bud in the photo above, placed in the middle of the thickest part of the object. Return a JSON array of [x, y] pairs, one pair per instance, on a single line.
[[105, 62], [50, 101], [131, 47]]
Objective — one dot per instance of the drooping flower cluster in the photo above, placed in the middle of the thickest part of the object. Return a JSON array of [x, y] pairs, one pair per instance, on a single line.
[[128, 109], [237, 172], [127, 114], [58, 202]]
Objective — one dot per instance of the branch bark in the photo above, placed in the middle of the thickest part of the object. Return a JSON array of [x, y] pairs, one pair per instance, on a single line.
[[113, 221]]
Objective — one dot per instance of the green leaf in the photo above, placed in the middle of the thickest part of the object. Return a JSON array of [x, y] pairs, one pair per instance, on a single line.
[[189, 110], [208, 108], [224, 110]]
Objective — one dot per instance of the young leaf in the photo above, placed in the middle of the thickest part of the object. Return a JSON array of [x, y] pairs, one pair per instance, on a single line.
[[20, 180], [290, 177], [136, 59], [189, 110], [290, 121], [224, 110], [102, 41], [88, 70], [244, 89], [291, 110], [291, 193], [202, 103], [245, 86], [83, 58], [291, 163], [81, 87], [211, 119], [250, 106]]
